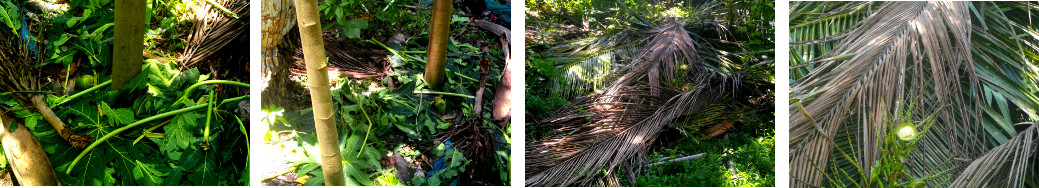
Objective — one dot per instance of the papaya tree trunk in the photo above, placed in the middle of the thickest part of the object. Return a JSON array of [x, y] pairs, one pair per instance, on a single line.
[[26, 156], [439, 31], [321, 96], [129, 41]]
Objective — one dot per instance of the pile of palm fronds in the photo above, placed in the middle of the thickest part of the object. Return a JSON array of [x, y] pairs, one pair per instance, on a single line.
[[854, 62], [666, 74], [366, 64], [214, 30]]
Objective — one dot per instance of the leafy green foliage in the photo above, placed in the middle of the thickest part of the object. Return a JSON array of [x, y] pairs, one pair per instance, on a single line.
[[541, 100], [751, 149], [174, 157], [375, 18], [10, 16], [341, 12], [454, 163], [166, 20], [85, 29], [376, 118]]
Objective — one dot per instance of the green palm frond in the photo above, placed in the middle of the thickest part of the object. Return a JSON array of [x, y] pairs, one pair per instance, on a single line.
[[813, 35], [586, 65]]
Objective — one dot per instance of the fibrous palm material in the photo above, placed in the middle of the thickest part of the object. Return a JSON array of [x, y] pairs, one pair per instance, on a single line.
[[351, 64], [600, 135], [214, 30]]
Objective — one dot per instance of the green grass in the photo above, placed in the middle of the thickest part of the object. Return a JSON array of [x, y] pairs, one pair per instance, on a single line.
[[751, 146]]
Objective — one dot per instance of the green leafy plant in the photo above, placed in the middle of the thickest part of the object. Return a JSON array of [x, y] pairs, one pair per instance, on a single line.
[[454, 163], [174, 151], [86, 34], [342, 13]]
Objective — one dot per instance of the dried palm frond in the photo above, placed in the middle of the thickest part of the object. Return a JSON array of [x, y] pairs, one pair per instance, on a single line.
[[603, 133], [929, 41], [214, 31], [1005, 166], [594, 153], [347, 65]]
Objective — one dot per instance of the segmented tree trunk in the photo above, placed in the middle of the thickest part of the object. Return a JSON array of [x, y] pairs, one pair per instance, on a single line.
[[317, 76], [439, 31]]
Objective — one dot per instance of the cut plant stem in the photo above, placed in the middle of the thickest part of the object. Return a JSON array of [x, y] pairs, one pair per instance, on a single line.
[[193, 86], [209, 118], [686, 158], [404, 56], [320, 93], [148, 132], [63, 129], [366, 133], [444, 93], [84, 92], [139, 122]]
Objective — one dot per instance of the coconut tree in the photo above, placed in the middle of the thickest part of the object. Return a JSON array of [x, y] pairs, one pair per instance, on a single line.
[[636, 82], [853, 64]]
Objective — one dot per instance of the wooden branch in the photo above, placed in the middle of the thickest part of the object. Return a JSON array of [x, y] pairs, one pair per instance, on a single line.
[[686, 158]]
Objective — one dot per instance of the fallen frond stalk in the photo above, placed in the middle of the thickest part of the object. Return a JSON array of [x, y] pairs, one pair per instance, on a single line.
[[686, 158]]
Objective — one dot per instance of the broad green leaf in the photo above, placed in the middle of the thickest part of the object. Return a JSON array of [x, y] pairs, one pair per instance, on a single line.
[[121, 116], [180, 135]]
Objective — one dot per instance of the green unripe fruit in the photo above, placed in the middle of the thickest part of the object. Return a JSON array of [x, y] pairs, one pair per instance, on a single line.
[[440, 106], [907, 132], [85, 81]]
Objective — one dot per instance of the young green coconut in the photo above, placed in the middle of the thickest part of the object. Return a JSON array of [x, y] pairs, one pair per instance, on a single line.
[[906, 132]]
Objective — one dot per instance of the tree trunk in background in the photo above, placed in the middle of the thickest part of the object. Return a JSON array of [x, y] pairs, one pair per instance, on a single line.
[[28, 160], [129, 41], [317, 80], [439, 31]]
